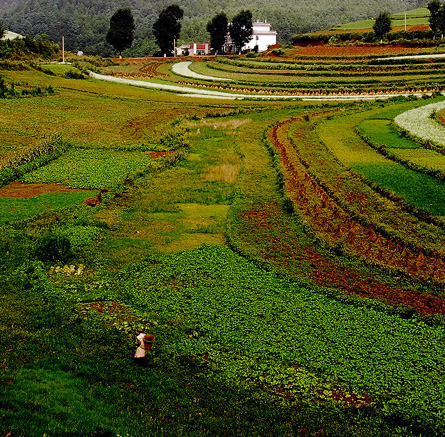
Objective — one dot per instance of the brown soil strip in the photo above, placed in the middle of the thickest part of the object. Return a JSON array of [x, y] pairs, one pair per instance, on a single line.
[[155, 155], [20, 190]]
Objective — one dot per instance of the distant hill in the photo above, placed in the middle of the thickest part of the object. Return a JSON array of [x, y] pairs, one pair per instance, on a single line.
[[84, 23], [415, 19]]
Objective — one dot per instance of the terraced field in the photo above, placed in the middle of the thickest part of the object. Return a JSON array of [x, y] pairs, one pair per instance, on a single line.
[[320, 70], [286, 254]]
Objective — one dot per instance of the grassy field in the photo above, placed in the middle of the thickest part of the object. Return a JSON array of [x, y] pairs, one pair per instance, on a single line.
[[414, 17], [292, 274]]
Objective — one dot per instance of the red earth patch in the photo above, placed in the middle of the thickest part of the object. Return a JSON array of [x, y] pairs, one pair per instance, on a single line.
[[20, 190], [155, 155], [354, 51]]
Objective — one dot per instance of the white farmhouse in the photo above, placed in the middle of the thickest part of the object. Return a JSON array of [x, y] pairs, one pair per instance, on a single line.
[[262, 36], [11, 35]]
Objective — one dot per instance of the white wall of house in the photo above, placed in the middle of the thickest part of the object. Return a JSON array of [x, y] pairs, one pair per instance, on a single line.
[[11, 35], [262, 36]]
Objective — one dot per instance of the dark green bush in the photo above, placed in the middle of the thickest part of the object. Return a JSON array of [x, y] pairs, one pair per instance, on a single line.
[[53, 247], [71, 74]]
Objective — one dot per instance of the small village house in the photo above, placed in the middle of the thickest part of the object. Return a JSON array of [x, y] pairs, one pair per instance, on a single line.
[[194, 49], [262, 36]]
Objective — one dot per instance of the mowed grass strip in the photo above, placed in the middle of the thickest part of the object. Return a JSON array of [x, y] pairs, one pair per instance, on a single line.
[[184, 206], [382, 135], [420, 190], [423, 191]]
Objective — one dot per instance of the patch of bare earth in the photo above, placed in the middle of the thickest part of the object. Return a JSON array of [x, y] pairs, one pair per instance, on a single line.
[[20, 190]]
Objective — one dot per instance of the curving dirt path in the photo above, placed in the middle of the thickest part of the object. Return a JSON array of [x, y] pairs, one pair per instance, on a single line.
[[183, 69], [189, 91]]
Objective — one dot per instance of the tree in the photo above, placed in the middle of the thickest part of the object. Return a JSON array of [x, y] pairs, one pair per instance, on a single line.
[[241, 29], [434, 7], [382, 25], [441, 20], [121, 32], [217, 29], [167, 28], [2, 30]]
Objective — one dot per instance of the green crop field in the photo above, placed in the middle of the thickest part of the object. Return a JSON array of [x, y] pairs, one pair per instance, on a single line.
[[379, 132], [414, 17], [286, 254], [89, 169]]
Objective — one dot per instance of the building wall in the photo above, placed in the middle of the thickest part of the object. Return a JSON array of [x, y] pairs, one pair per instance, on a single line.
[[263, 36], [262, 41]]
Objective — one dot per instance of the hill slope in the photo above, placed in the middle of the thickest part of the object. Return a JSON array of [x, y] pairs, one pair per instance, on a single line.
[[84, 23]]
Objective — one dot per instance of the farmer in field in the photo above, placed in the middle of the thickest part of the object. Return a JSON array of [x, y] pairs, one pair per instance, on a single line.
[[145, 342]]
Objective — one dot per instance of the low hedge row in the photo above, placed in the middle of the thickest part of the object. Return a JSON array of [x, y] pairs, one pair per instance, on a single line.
[[305, 38]]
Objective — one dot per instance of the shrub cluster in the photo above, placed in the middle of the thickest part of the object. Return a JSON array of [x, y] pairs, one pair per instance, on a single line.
[[28, 48], [9, 92], [402, 37]]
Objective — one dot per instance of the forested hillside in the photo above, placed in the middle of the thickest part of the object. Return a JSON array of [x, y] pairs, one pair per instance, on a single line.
[[84, 23]]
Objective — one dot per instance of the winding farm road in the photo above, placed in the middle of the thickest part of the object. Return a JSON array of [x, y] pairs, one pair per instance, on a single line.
[[183, 69]]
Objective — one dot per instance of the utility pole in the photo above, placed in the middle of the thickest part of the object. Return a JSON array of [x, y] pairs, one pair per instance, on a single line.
[[63, 49]]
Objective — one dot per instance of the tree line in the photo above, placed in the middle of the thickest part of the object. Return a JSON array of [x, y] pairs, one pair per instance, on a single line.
[[84, 23], [167, 29], [437, 17]]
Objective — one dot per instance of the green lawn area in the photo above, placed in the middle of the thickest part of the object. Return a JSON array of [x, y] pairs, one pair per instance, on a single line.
[[13, 209], [414, 17]]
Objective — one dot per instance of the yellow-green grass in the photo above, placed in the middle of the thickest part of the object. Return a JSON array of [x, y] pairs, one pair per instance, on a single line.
[[88, 113], [184, 206], [368, 24], [425, 158], [418, 13], [381, 134], [59, 68], [423, 191], [414, 17], [337, 134], [379, 131]]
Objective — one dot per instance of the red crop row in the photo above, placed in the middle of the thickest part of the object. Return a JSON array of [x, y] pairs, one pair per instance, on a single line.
[[353, 51], [283, 249], [331, 222]]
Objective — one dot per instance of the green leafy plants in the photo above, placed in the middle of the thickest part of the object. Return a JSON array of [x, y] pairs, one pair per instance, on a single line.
[[247, 324], [90, 168]]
